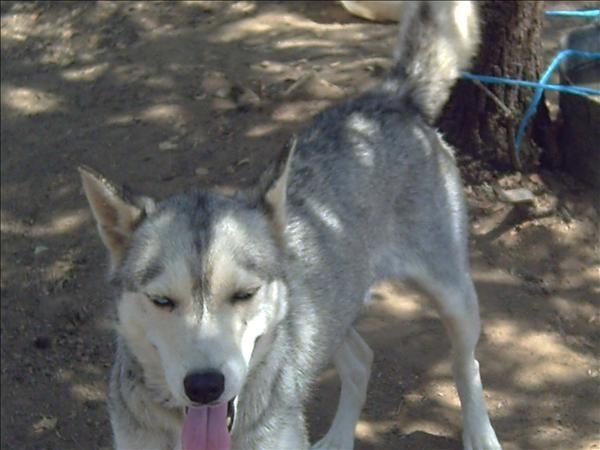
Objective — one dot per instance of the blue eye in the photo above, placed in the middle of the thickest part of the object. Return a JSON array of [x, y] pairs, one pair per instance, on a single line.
[[163, 302]]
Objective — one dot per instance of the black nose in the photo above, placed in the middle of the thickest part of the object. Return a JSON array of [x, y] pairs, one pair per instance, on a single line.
[[204, 387]]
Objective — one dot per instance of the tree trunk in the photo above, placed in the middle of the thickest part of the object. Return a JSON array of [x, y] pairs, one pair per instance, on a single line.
[[482, 120]]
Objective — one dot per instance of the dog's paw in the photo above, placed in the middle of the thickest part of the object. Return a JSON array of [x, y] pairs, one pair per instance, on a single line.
[[482, 438], [333, 443]]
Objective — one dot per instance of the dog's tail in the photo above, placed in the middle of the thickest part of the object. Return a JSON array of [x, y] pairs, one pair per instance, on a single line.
[[437, 40]]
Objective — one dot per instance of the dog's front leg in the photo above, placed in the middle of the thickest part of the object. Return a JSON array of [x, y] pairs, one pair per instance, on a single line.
[[353, 363]]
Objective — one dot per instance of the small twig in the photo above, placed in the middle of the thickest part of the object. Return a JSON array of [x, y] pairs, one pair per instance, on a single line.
[[507, 114], [505, 109]]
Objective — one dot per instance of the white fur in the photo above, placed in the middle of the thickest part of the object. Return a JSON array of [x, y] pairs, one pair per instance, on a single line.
[[353, 363]]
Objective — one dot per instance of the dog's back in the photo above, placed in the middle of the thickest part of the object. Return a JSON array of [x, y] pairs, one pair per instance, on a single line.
[[371, 179]]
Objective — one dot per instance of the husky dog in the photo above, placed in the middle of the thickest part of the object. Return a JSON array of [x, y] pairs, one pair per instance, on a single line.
[[231, 305]]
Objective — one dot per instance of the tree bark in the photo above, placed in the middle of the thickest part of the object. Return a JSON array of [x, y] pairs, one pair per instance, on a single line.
[[482, 120]]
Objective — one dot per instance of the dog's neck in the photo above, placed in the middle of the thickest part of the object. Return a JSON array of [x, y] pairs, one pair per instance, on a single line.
[[261, 391]]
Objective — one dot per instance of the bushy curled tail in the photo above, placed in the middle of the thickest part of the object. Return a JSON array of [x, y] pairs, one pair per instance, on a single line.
[[437, 40]]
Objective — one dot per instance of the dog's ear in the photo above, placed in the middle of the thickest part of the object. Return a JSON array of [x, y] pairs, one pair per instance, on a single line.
[[117, 216], [273, 188]]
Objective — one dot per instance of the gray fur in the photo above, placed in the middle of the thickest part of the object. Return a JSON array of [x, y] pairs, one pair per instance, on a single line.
[[436, 41], [372, 193]]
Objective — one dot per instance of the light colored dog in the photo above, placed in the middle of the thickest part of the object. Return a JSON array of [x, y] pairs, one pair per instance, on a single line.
[[230, 306]]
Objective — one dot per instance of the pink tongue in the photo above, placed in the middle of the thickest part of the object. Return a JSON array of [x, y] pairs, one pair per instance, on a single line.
[[205, 428]]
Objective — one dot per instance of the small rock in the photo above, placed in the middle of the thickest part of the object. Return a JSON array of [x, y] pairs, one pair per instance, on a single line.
[[510, 181], [201, 171], [167, 146], [223, 92], [45, 424], [39, 249], [516, 196], [535, 178]]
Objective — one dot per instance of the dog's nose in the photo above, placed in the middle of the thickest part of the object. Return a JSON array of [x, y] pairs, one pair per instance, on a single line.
[[204, 387]]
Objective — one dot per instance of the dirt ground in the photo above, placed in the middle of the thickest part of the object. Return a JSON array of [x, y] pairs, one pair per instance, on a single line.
[[174, 95]]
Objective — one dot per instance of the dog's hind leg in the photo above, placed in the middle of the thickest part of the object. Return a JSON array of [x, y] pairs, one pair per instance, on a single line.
[[353, 363], [457, 305]]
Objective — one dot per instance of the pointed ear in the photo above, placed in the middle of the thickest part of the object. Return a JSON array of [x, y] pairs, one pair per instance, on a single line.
[[273, 187], [116, 215]]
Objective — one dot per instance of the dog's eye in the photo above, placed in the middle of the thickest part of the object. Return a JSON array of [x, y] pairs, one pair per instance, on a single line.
[[162, 302], [241, 296]]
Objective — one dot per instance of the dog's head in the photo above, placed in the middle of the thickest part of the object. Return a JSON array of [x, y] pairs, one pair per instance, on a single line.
[[201, 281]]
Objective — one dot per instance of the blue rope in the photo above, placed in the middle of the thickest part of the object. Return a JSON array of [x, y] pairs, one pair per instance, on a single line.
[[540, 90], [577, 90], [542, 85], [588, 13]]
